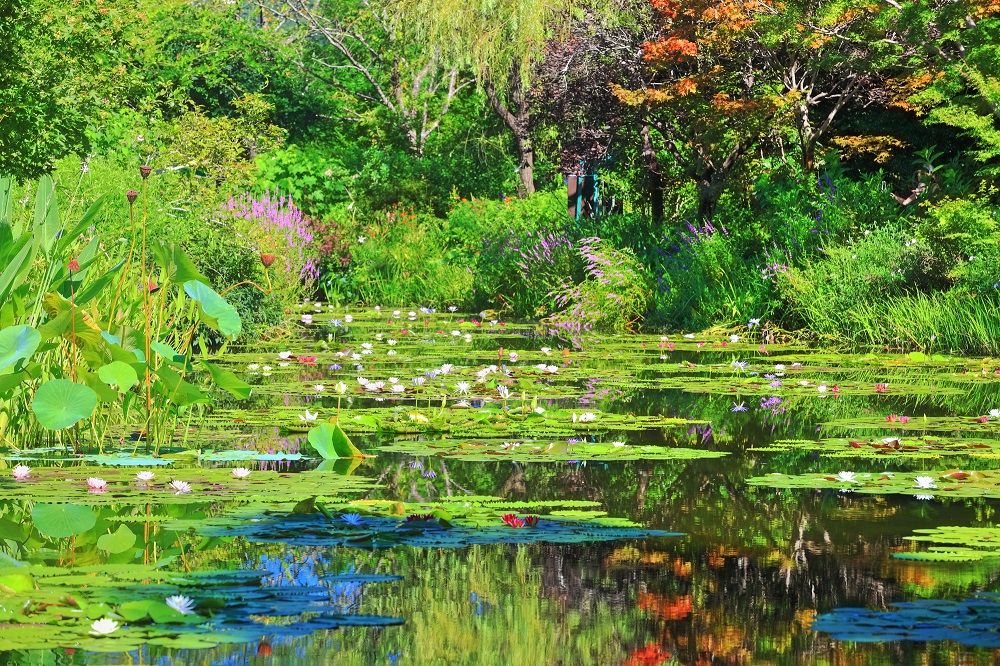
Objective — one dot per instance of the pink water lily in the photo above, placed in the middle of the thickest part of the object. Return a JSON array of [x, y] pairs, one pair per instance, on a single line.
[[95, 483], [21, 472]]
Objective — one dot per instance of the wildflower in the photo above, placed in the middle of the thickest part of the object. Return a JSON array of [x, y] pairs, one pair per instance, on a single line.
[[180, 603], [452, 308], [21, 472], [253, 367], [95, 483], [361, 240], [103, 627], [416, 464], [241, 472], [353, 519], [462, 388], [366, 345], [144, 477], [319, 388], [266, 370], [847, 477], [738, 407], [430, 474], [180, 487], [924, 483], [73, 265]]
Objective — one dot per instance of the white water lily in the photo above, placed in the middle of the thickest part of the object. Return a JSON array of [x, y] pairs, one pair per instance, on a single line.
[[390, 342], [847, 477], [307, 319], [689, 336], [308, 417], [340, 388], [455, 334], [319, 388], [503, 391], [923, 496], [180, 487], [924, 483], [241, 472], [144, 477], [285, 355], [779, 366], [617, 444], [821, 388], [398, 388], [734, 338], [546, 350], [348, 319], [995, 413], [393, 380], [21, 472], [446, 368], [391, 352], [103, 627], [366, 345], [513, 357], [539, 410], [462, 388], [587, 417]]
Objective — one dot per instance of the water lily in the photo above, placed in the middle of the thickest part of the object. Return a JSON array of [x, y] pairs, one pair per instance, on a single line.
[[689, 336], [923, 496], [821, 388], [995, 413], [617, 444], [340, 388], [587, 417], [180, 487], [467, 337], [353, 519], [924, 482], [180, 603], [348, 319], [308, 417], [95, 483], [241, 472], [390, 342], [103, 627], [847, 477], [446, 368], [398, 388], [512, 520], [539, 410], [738, 407], [144, 477], [779, 366], [546, 350], [734, 338], [513, 357], [456, 334], [419, 381], [503, 391], [307, 319], [462, 388], [21, 472], [319, 388]]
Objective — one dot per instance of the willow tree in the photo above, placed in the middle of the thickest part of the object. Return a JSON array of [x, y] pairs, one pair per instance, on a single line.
[[502, 41]]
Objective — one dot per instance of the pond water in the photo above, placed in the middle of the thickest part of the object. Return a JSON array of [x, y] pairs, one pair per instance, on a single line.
[[599, 500]]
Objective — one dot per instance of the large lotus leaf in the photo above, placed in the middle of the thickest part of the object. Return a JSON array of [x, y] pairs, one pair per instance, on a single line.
[[215, 311], [228, 381], [118, 541], [62, 520], [17, 343], [331, 442], [60, 403], [119, 374]]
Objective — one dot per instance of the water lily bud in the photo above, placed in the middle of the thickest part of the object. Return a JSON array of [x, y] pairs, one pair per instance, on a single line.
[[132, 195], [145, 170]]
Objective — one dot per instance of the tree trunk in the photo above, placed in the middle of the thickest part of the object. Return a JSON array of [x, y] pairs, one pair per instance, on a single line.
[[709, 189], [516, 116], [654, 177]]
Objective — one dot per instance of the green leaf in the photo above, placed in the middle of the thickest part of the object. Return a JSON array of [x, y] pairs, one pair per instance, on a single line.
[[17, 343], [46, 214], [117, 542], [60, 403], [228, 381], [57, 521], [118, 374], [133, 611], [331, 442], [178, 391], [215, 311], [97, 286], [177, 266]]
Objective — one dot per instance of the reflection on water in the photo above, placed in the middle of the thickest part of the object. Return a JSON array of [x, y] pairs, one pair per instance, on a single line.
[[744, 585]]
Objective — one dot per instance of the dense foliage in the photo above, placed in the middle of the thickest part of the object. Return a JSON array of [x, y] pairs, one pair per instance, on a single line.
[[825, 167]]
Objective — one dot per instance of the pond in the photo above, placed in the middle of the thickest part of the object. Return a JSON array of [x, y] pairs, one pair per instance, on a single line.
[[527, 499]]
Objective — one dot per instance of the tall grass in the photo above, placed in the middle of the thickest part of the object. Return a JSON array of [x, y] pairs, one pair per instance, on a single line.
[[942, 322]]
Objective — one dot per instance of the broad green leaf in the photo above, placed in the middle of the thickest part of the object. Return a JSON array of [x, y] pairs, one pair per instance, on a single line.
[[93, 289], [176, 390], [119, 374], [177, 266], [331, 442], [57, 521], [17, 343], [228, 381], [215, 311], [46, 214], [118, 541], [60, 403]]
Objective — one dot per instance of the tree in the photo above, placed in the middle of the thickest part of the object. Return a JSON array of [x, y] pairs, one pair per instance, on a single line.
[[60, 64], [374, 56]]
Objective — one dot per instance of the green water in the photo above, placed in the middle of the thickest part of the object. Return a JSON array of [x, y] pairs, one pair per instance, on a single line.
[[669, 554]]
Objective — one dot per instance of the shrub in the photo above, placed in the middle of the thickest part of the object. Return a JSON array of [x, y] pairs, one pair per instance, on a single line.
[[613, 296]]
